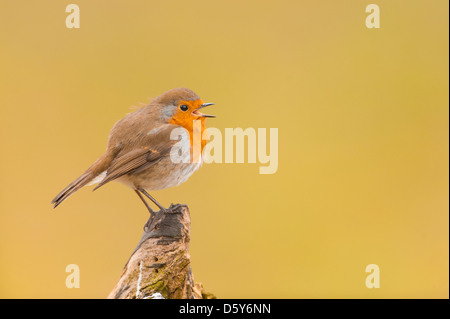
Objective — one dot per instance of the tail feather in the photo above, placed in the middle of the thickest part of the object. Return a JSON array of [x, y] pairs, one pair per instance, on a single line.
[[73, 187], [95, 171]]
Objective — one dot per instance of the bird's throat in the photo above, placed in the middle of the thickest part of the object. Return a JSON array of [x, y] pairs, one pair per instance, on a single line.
[[196, 128]]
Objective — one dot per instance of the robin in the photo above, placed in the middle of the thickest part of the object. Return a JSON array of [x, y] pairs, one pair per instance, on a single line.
[[139, 147]]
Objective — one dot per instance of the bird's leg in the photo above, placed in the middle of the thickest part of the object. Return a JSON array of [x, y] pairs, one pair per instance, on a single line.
[[143, 191], [152, 212]]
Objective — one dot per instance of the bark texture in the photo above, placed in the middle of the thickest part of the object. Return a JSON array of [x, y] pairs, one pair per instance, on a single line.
[[159, 267]]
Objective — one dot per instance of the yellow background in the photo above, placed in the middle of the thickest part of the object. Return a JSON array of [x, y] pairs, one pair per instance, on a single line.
[[363, 143]]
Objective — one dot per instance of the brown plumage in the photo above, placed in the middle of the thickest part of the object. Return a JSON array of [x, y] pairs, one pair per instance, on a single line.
[[139, 145]]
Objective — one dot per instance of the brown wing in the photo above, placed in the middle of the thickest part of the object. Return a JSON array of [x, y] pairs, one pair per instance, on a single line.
[[136, 157]]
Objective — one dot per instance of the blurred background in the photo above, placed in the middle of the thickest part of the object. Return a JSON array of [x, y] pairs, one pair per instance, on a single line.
[[363, 128]]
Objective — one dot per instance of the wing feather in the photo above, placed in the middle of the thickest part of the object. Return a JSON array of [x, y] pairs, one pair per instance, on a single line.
[[139, 157]]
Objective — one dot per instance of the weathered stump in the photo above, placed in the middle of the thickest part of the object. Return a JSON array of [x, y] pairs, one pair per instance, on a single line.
[[159, 267]]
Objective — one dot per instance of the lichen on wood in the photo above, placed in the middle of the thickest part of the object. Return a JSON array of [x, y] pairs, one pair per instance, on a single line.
[[160, 264]]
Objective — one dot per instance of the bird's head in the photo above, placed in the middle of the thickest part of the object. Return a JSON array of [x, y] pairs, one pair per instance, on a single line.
[[182, 107]]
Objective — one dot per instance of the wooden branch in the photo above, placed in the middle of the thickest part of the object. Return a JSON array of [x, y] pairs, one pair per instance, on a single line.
[[159, 267]]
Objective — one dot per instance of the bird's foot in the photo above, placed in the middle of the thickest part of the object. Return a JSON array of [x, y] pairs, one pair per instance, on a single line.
[[149, 221], [175, 208], [171, 209], [155, 216]]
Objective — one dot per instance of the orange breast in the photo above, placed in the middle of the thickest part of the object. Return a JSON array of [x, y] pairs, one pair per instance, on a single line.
[[191, 122]]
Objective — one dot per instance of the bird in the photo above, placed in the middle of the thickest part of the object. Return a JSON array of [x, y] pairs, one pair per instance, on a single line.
[[141, 145]]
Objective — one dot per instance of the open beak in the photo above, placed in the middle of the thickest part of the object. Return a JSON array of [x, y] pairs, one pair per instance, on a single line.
[[198, 113]]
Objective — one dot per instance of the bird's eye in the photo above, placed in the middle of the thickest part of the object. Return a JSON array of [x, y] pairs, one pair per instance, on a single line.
[[184, 107]]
